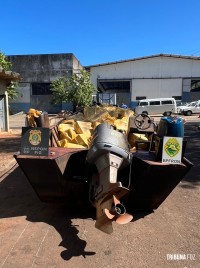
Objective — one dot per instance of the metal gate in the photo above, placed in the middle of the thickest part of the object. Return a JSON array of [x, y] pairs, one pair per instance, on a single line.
[[109, 98]]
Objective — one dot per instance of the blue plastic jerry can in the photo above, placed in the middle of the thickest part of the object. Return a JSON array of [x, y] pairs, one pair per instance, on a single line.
[[175, 126]]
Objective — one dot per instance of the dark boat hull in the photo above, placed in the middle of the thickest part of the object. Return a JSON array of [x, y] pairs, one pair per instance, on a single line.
[[62, 177]]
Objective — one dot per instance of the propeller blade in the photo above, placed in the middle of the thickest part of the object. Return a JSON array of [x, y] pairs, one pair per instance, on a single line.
[[110, 210], [108, 214], [103, 222], [116, 201], [125, 218]]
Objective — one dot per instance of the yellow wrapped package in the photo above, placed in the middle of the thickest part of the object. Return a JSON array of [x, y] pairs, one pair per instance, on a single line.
[[109, 119], [82, 127], [64, 143], [133, 137], [95, 124], [64, 127], [90, 112], [81, 139], [102, 117], [68, 121], [69, 135], [122, 124], [119, 113]]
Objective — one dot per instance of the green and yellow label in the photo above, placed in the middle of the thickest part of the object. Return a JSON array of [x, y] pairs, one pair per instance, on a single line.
[[172, 147]]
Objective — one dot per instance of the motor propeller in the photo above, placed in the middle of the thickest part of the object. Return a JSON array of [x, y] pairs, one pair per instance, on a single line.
[[109, 211]]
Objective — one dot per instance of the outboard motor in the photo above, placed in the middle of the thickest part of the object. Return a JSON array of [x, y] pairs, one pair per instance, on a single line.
[[109, 152]]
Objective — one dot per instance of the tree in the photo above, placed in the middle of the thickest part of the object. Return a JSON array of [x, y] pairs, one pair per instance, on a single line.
[[12, 87], [77, 89], [4, 62], [12, 90]]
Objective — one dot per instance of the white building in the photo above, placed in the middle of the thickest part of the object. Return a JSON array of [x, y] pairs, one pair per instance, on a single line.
[[153, 76]]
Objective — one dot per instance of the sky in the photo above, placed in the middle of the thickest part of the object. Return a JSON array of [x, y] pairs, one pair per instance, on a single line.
[[100, 31]]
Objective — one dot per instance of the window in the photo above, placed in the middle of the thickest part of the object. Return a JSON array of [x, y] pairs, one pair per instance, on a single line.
[[177, 97], [154, 102], [195, 85], [123, 86], [167, 102], [41, 89], [143, 103], [192, 104], [140, 98]]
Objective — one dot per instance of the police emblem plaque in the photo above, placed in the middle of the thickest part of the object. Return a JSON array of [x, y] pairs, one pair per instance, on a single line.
[[35, 141]]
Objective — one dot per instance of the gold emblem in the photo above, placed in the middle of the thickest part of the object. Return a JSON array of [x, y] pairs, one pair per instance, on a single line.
[[172, 147], [35, 137]]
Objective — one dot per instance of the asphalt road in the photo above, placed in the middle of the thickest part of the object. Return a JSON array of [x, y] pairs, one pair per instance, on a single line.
[[34, 234]]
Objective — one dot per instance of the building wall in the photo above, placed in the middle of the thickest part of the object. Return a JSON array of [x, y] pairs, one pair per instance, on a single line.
[[158, 67], [152, 77], [76, 65], [156, 88], [43, 68]]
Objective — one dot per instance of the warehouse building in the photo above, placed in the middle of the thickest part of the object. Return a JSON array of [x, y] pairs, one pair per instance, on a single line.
[[125, 81], [37, 73], [153, 76]]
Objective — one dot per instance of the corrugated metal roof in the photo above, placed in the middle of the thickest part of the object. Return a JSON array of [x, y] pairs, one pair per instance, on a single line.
[[146, 57], [9, 75]]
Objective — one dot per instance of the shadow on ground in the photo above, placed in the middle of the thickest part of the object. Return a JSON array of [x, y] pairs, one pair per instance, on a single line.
[[192, 135], [18, 199], [10, 144]]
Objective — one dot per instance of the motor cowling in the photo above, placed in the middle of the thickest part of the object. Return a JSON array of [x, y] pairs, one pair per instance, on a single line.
[[107, 139]]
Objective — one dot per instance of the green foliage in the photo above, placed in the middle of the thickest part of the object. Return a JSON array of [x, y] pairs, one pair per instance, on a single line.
[[77, 89], [60, 89], [12, 90], [4, 63]]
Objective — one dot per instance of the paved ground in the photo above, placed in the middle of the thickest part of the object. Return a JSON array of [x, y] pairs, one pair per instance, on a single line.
[[10, 142], [33, 234]]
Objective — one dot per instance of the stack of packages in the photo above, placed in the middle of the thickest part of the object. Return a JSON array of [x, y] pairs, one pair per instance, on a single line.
[[77, 130]]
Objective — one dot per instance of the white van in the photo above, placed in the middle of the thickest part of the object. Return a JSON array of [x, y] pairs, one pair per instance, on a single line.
[[156, 106]]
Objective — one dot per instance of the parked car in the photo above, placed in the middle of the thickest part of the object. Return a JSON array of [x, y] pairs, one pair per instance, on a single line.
[[180, 103], [180, 108], [192, 108]]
